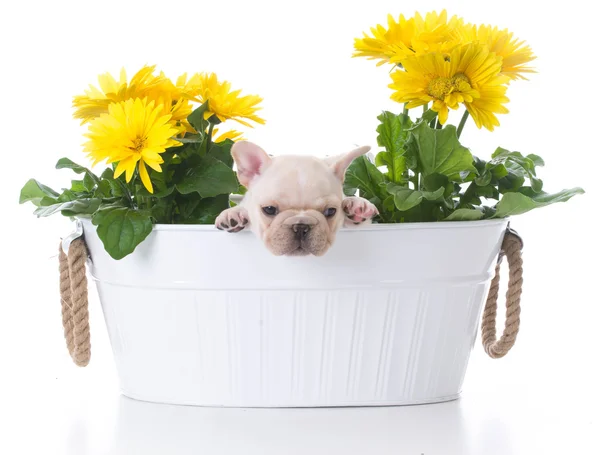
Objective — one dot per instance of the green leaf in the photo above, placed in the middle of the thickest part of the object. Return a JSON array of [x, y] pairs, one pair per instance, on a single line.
[[162, 184], [498, 170], [196, 118], [406, 198], [393, 132], [77, 186], [388, 203], [502, 154], [222, 151], [395, 164], [121, 229], [537, 160], [88, 182], [536, 184], [33, 191], [511, 182], [108, 174], [484, 179], [428, 116], [520, 166], [515, 203], [209, 178], [70, 208], [438, 151], [433, 195], [46, 201], [435, 181], [362, 175], [66, 163], [464, 215], [66, 196], [116, 188], [104, 189], [162, 211], [191, 139], [489, 191], [160, 193], [214, 120], [207, 210]]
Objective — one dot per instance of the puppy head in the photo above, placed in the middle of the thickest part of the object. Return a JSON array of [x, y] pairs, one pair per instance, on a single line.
[[294, 202]]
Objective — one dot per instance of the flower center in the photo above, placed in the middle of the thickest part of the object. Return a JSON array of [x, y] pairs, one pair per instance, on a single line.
[[139, 143], [461, 82], [440, 87]]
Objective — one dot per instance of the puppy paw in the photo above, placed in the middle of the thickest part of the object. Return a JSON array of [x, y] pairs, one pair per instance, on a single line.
[[358, 211], [232, 220]]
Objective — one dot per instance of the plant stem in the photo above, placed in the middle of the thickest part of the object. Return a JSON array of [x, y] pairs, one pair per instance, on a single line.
[[127, 191], [461, 125], [425, 108], [438, 125], [415, 181], [210, 132], [432, 122], [405, 117], [209, 136]]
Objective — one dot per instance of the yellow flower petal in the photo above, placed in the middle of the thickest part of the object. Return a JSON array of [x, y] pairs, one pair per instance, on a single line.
[[145, 177], [232, 135]]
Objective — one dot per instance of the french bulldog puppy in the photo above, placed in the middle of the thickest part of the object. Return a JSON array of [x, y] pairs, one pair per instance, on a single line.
[[294, 204]]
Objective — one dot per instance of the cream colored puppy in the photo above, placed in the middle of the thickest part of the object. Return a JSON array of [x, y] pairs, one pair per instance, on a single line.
[[294, 204]]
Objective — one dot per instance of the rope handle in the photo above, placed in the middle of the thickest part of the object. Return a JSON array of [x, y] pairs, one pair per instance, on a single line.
[[512, 245], [74, 300]]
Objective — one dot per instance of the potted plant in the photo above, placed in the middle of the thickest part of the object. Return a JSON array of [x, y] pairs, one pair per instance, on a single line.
[[354, 327]]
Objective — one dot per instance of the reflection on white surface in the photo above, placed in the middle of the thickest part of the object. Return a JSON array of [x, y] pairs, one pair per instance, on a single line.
[[153, 428]]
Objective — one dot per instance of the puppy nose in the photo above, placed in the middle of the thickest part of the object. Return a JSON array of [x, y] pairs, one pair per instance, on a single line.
[[301, 230]]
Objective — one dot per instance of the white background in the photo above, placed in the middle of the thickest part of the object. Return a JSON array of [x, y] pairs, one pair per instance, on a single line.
[[542, 398]]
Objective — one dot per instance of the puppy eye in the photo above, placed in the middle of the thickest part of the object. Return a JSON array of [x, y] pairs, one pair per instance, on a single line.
[[269, 210], [329, 212]]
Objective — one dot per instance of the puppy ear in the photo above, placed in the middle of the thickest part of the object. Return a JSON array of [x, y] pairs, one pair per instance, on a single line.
[[340, 163], [250, 161]]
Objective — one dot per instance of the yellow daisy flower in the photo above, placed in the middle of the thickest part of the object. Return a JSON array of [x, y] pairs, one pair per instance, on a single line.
[[133, 134], [96, 100], [469, 75], [407, 37], [515, 54], [435, 33], [144, 84], [222, 102], [189, 88]]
